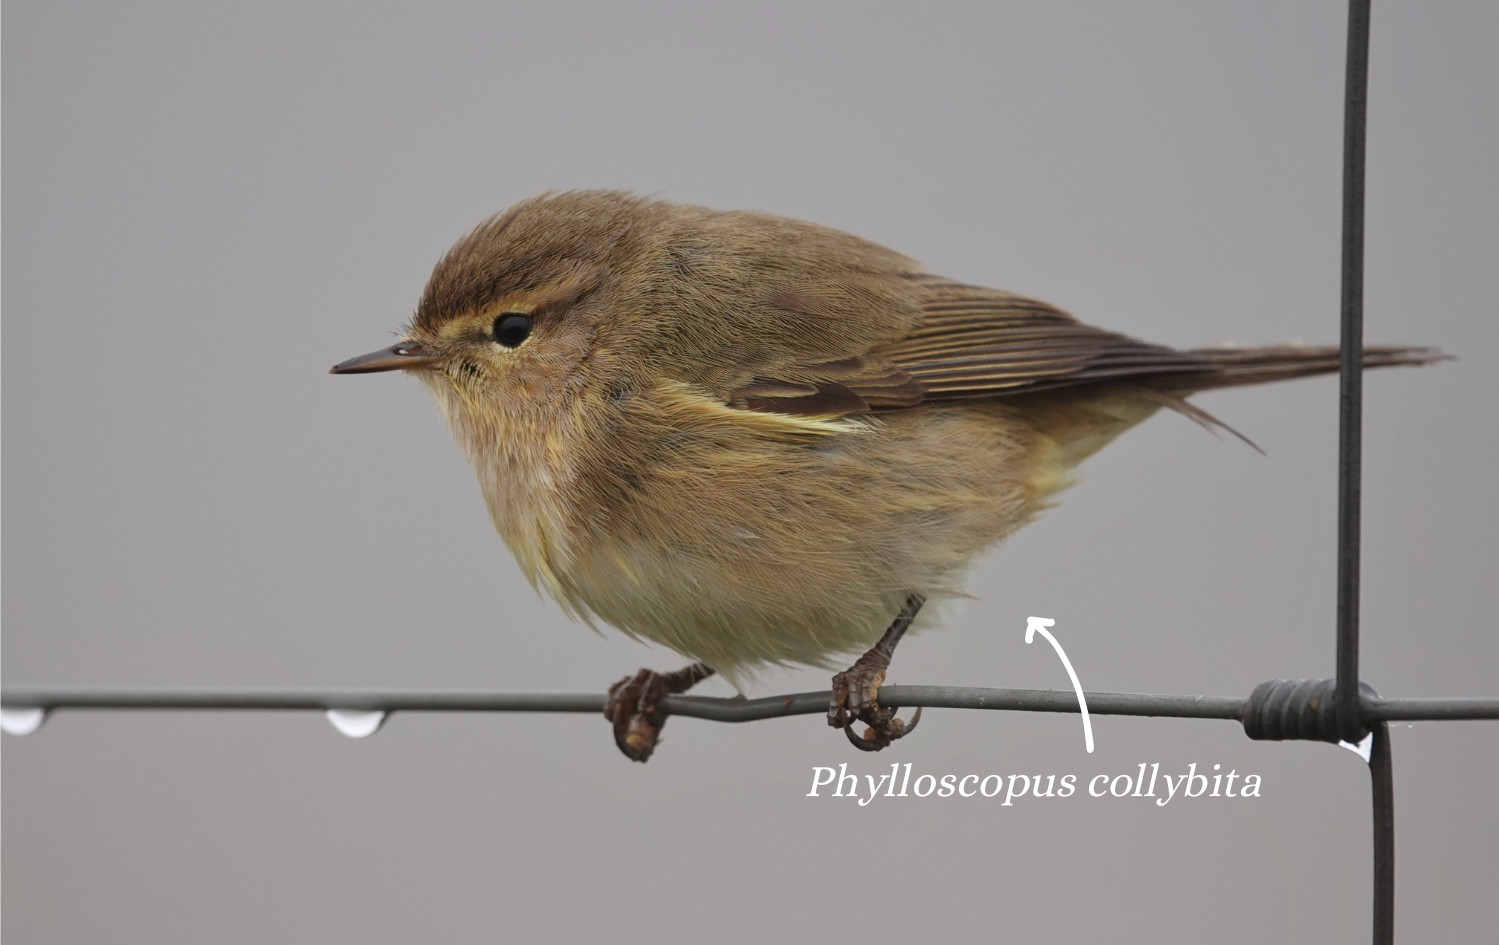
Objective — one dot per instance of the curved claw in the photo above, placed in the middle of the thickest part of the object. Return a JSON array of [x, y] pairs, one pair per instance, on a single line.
[[876, 739], [860, 742], [911, 725]]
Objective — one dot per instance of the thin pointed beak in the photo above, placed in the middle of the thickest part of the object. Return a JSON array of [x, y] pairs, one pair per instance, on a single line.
[[400, 356]]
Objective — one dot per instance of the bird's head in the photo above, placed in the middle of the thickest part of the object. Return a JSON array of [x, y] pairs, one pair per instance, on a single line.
[[512, 312]]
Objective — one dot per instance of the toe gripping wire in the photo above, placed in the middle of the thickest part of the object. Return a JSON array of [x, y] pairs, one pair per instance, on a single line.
[[1307, 709]]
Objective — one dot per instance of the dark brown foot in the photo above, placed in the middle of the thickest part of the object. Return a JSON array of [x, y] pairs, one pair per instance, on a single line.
[[633, 706], [856, 691]]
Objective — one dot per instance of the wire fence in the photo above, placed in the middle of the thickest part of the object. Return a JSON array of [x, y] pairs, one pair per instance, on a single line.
[[1338, 710], [713, 709]]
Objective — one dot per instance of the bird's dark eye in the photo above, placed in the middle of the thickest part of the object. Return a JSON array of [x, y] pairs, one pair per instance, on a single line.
[[512, 328]]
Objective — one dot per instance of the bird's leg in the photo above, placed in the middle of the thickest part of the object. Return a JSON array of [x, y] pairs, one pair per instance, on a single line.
[[856, 690], [633, 706]]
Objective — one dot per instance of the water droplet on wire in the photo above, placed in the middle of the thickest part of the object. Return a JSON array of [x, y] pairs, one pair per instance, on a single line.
[[356, 723], [21, 720]]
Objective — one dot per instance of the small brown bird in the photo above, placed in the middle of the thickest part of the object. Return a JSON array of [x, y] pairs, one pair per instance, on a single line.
[[761, 441]]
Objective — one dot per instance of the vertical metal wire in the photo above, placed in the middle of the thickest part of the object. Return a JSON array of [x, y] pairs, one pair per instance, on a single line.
[[1382, 782], [1350, 433], [1350, 417]]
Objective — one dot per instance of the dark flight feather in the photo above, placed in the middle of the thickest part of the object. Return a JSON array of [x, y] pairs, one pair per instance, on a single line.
[[973, 343]]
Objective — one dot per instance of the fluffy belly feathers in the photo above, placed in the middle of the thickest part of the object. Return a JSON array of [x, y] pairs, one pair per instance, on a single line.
[[777, 542]]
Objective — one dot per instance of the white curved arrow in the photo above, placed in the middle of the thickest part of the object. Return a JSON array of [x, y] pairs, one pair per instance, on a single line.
[[1032, 624]]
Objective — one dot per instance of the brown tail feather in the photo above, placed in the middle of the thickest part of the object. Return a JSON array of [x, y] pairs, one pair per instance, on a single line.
[[1237, 366]]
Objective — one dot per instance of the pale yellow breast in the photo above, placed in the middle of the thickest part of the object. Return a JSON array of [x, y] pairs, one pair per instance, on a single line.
[[743, 539]]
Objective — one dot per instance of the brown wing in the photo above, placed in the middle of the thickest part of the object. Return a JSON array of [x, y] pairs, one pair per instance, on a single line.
[[969, 342], [977, 342]]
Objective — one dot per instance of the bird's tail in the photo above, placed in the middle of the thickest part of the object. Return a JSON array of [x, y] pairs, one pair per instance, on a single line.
[[1233, 367], [1080, 420]]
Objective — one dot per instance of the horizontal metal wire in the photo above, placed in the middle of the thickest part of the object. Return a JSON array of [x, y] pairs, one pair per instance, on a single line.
[[713, 709]]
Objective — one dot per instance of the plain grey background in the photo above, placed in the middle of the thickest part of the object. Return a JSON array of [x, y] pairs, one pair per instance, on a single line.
[[206, 205]]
